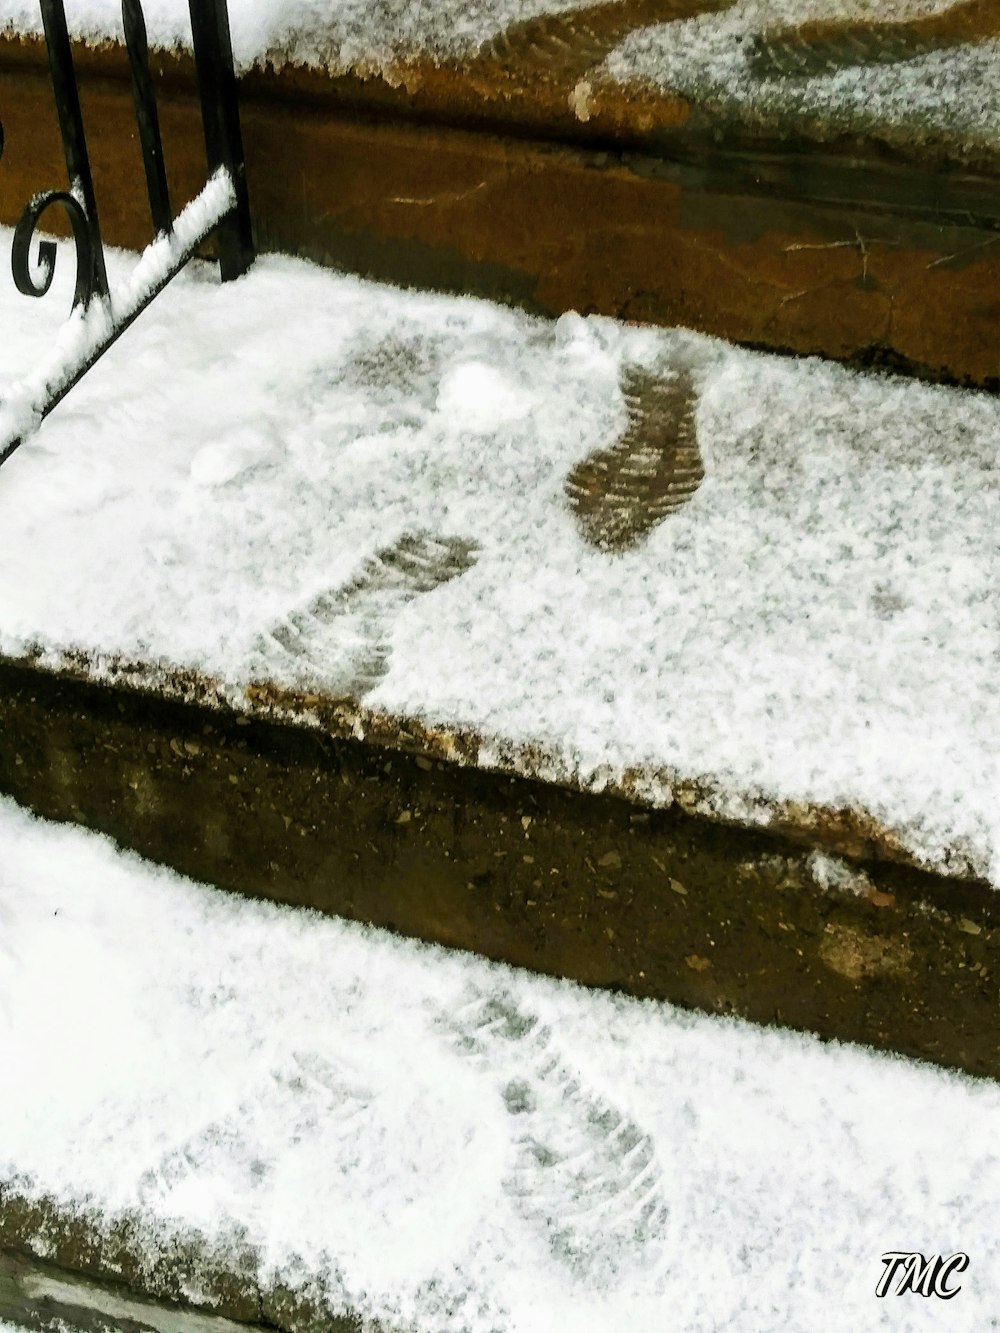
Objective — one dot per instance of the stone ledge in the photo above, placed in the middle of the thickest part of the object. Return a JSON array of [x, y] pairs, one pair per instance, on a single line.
[[61, 1268], [653, 903], [448, 179]]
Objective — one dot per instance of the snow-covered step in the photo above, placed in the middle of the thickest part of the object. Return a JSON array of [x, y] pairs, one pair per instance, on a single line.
[[289, 1120], [481, 562], [626, 560], [817, 176]]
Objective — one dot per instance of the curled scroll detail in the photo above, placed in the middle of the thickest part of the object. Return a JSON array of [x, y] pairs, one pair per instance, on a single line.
[[24, 234]]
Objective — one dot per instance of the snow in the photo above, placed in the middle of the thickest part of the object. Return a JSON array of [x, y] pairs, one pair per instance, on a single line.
[[361, 493], [952, 92], [337, 35], [423, 1136]]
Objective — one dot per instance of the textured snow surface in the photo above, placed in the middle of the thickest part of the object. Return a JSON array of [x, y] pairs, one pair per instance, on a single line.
[[432, 1137], [954, 90], [337, 35], [346, 489]]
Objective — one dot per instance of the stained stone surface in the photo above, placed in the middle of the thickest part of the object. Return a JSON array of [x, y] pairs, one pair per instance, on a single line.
[[910, 71]]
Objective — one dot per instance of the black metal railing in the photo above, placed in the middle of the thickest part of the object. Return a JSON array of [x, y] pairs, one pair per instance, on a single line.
[[222, 207]]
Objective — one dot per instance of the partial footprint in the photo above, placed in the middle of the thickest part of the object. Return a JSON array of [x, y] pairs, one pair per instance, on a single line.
[[620, 494], [310, 1091], [561, 48], [788, 55], [584, 1174], [342, 637], [406, 368], [826, 46]]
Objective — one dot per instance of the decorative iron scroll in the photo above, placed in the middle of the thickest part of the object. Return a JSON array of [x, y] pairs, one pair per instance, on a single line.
[[100, 316]]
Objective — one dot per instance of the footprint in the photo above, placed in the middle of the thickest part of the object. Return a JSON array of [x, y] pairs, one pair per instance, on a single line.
[[309, 1091], [560, 48], [343, 636], [401, 371], [584, 1174], [620, 494], [826, 46]]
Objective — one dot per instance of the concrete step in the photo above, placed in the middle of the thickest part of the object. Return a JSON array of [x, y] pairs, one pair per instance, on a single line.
[[613, 894], [820, 187], [688, 690], [219, 1114]]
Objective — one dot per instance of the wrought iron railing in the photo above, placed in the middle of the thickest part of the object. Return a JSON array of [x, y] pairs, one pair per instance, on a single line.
[[99, 315]]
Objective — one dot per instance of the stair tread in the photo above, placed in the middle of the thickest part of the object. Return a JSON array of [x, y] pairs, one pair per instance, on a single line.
[[626, 560], [283, 1118], [919, 77]]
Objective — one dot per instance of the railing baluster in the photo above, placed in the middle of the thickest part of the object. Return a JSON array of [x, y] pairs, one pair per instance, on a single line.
[[213, 55], [146, 115], [71, 126]]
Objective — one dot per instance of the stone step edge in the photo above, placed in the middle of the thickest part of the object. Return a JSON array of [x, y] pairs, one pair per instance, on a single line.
[[764, 244], [618, 116], [112, 1273], [588, 888], [850, 832]]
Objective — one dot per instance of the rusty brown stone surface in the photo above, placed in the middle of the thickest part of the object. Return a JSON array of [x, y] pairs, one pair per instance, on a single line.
[[793, 248], [652, 902]]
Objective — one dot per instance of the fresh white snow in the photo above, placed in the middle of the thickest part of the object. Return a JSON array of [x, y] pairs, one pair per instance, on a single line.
[[429, 1137], [819, 624]]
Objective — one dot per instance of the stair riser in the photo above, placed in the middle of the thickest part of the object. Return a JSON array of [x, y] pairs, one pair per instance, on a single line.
[[801, 251], [591, 888]]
